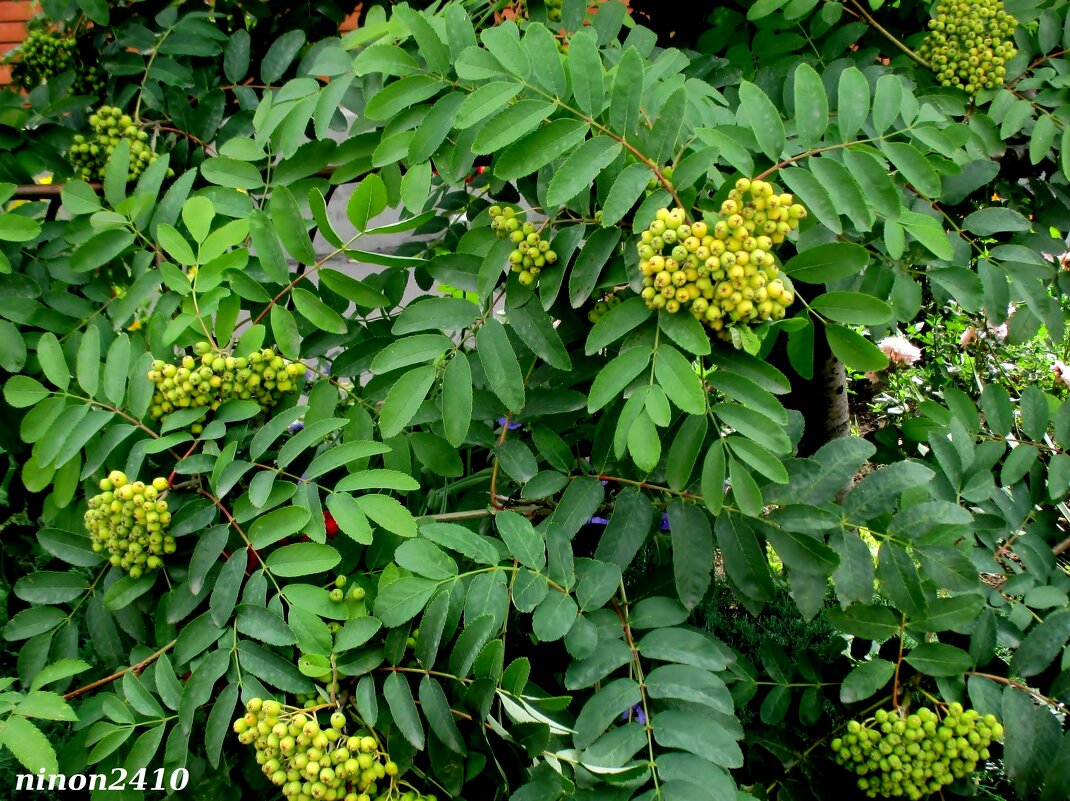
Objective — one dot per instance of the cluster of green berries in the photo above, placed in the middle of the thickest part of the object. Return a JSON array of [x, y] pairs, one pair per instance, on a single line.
[[90, 80], [726, 273], [553, 10], [603, 306], [312, 762], [895, 754], [654, 184], [338, 593], [212, 376], [89, 154], [532, 251], [43, 55], [969, 43], [129, 520]]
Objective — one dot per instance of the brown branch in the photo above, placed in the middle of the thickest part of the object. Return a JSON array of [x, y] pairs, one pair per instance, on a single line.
[[38, 191], [233, 522], [199, 142], [644, 485], [135, 669], [494, 471], [1018, 686], [888, 35], [1036, 63]]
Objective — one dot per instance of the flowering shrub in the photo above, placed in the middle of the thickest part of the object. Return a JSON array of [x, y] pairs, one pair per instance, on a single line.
[[437, 530]]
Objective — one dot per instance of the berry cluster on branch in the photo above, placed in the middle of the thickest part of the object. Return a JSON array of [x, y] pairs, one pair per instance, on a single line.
[[129, 520], [90, 152], [602, 306], [532, 252], [212, 376], [969, 43], [654, 183], [896, 754], [43, 55], [46, 53], [309, 761], [724, 273]]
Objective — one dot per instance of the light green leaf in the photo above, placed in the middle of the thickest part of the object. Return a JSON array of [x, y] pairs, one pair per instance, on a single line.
[[402, 600], [368, 200], [439, 716], [758, 111], [426, 559], [488, 99], [457, 399], [287, 335], [581, 168], [616, 375], [30, 747], [388, 513], [678, 377], [277, 524], [615, 323], [865, 680], [852, 102], [317, 312], [399, 698], [302, 559], [855, 350], [811, 105], [913, 167], [626, 190], [53, 363], [290, 225], [585, 70], [21, 391], [404, 399], [539, 148], [824, 264], [853, 308], [500, 364], [522, 540], [937, 659]]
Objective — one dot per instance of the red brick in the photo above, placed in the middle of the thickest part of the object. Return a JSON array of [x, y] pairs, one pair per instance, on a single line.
[[12, 31], [16, 10]]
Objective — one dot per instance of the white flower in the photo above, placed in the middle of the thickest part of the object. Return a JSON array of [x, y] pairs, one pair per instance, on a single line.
[[899, 350]]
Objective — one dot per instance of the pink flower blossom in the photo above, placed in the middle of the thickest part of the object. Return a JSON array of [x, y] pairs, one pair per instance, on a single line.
[[899, 350], [1062, 372]]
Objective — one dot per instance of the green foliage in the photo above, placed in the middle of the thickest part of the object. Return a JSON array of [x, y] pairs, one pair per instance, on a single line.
[[420, 490]]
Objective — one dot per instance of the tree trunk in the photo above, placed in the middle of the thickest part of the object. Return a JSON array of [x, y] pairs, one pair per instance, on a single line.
[[822, 400]]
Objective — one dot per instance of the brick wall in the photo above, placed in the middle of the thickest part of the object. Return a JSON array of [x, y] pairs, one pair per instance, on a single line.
[[13, 17]]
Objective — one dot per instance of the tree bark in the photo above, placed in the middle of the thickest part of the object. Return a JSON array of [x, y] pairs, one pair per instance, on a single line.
[[822, 400]]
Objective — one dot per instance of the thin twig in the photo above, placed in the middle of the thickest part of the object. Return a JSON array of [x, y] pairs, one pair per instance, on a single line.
[[135, 669], [1018, 686]]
